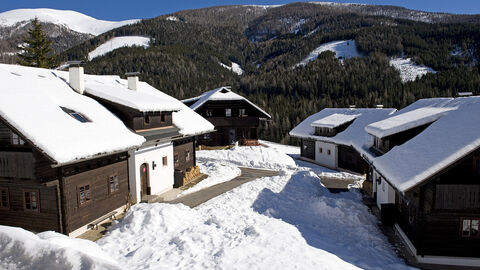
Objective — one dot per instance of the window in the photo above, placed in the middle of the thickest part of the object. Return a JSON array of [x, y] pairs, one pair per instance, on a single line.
[[187, 156], [329, 152], [206, 136], [17, 140], [320, 150], [84, 194], [209, 112], [228, 112], [165, 161], [4, 203], [113, 185], [162, 117], [31, 201], [76, 115], [241, 112], [175, 160], [470, 227], [146, 119], [476, 164]]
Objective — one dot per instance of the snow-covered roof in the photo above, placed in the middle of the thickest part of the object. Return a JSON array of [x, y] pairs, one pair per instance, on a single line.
[[440, 145], [145, 98], [406, 121], [221, 93], [31, 101], [334, 120], [353, 135], [114, 89]]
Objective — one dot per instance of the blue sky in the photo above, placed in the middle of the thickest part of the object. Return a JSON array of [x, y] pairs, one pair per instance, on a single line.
[[122, 9]]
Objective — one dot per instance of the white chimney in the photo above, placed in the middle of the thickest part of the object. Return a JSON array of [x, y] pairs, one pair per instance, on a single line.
[[76, 80], [132, 80]]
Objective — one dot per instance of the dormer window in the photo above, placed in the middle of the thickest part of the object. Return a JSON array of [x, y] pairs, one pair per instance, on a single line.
[[76, 115], [16, 140]]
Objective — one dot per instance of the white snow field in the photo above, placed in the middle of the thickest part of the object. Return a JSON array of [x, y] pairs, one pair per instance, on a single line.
[[119, 42], [71, 19], [288, 221], [235, 68], [409, 71], [343, 49]]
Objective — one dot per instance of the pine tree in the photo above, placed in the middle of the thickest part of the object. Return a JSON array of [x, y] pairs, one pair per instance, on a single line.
[[36, 50]]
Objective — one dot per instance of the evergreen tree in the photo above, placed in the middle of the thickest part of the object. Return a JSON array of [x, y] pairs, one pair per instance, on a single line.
[[36, 50]]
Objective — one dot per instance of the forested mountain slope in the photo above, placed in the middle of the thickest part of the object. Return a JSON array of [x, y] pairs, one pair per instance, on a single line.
[[187, 47]]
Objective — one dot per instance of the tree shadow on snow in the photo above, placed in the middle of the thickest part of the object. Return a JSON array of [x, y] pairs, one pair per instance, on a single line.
[[337, 223]]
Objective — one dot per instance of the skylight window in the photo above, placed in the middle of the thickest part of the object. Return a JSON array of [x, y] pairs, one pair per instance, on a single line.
[[76, 115]]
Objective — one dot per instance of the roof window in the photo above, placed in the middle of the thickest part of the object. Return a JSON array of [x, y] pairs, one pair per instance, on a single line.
[[76, 115]]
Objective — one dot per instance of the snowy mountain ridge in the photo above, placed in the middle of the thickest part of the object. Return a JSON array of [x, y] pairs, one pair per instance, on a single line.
[[73, 20]]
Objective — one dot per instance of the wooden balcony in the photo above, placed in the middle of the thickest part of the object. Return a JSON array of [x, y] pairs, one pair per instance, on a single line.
[[234, 121]]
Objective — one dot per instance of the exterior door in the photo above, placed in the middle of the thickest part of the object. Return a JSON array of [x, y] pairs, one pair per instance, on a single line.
[[144, 179], [232, 136]]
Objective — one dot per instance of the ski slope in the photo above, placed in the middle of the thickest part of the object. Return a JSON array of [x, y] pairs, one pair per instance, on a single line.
[[71, 19], [119, 42], [409, 70], [343, 49]]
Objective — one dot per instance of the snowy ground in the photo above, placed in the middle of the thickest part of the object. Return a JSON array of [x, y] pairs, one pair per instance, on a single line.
[[409, 71], [288, 221], [343, 49], [119, 42], [235, 68]]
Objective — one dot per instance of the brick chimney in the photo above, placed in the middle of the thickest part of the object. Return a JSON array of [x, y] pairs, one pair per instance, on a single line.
[[75, 78]]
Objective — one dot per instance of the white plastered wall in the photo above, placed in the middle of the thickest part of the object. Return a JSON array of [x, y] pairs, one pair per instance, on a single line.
[[323, 158], [385, 192], [161, 177]]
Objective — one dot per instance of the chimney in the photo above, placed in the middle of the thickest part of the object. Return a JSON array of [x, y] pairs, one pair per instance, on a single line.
[[76, 80], [132, 80]]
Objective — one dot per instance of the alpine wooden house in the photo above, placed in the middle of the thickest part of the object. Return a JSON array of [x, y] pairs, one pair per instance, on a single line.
[[236, 119], [425, 173], [63, 156], [331, 137]]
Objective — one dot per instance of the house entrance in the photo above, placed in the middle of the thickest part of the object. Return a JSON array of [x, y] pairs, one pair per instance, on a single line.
[[144, 180], [232, 136]]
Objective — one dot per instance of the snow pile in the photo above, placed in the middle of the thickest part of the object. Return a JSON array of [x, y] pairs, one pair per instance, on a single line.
[[343, 49], [409, 71], [119, 42], [235, 68], [284, 222], [218, 172], [221, 93], [31, 101], [286, 149], [71, 19], [250, 156], [21, 249]]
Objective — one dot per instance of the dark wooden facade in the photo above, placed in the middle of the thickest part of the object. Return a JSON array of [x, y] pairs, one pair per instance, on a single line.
[[234, 120], [307, 149], [184, 158], [38, 196], [349, 159], [441, 217]]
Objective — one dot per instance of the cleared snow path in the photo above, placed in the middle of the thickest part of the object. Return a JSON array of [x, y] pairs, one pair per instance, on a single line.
[[119, 42], [199, 197]]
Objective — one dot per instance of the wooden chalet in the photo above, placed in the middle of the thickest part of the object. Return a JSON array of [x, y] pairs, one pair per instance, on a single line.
[[425, 173], [167, 158], [236, 119], [330, 137], [63, 157]]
